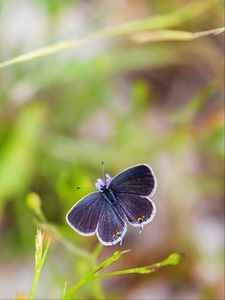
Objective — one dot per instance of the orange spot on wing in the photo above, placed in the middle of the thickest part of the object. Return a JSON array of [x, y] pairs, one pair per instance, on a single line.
[[117, 233]]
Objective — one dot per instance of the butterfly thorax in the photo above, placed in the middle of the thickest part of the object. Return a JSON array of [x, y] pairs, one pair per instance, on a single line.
[[108, 195], [105, 189]]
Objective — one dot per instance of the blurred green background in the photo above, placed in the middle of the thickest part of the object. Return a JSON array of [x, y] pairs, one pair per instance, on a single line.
[[125, 102]]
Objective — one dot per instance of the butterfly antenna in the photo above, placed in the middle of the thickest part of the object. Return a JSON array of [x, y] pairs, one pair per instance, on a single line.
[[103, 171], [83, 189]]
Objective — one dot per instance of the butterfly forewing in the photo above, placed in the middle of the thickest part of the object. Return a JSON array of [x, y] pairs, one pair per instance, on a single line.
[[111, 228], [139, 210], [84, 215], [139, 180]]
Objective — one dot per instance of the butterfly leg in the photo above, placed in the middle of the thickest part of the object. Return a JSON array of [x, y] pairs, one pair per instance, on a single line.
[[141, 228]]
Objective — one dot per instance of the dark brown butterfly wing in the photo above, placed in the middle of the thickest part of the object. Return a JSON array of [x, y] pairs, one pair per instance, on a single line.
[[138, 180], [84, 215]]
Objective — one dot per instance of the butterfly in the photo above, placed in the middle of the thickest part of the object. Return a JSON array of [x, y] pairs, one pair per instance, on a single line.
[[119, 200]]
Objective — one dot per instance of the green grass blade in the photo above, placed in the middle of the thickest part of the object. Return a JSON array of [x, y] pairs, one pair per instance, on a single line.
[[64, 291], [173, 35], [39, 260], [97, 250], [170, 20]]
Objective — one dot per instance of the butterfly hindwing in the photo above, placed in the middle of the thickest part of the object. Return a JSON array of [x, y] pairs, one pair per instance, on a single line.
[[111, 228], [139, 180], [84, 215], [139, 210]]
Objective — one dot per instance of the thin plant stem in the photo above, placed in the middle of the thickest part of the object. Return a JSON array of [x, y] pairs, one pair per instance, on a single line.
[[97, 250], [37, 271], [172, 260], [89, 276], [99, 293], [64, 291], [71, 247], [122, 272]]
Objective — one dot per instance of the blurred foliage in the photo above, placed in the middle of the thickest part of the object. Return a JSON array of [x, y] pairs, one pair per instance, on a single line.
[[124, 99], [18, 153]]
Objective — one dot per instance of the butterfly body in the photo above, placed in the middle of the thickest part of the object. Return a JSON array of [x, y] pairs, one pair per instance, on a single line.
[[109, 196], [120, 200]]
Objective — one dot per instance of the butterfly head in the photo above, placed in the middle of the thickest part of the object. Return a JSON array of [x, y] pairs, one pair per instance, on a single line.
[[101, 185]]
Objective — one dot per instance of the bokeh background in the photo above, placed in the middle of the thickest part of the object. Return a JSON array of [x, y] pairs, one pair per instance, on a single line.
[[125, 102]]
